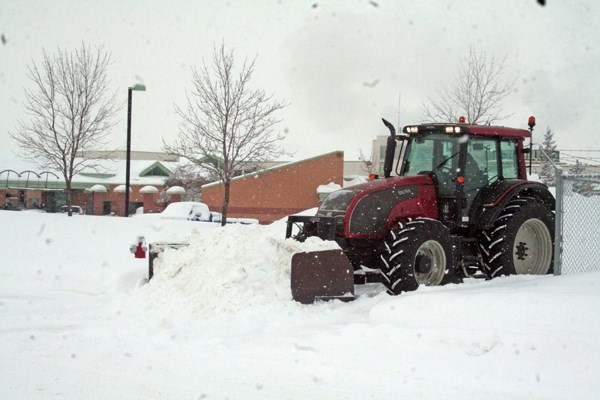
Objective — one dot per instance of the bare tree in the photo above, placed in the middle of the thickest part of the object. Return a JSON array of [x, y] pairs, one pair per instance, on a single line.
[[188, 177], [366, 164], [478, 94], [227, 126], [69, 111]]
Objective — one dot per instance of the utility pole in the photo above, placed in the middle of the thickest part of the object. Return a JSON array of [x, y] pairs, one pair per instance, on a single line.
[[398, 125]]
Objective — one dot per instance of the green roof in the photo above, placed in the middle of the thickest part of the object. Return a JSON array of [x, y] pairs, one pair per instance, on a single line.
[[96, 175], [156, 169]]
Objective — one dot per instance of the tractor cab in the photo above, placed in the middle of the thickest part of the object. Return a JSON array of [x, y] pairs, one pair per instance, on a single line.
[[464, 162]]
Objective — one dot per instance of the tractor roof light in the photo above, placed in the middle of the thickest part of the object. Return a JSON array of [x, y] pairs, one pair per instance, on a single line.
[[531, 122], [453, 129], [412, 129]]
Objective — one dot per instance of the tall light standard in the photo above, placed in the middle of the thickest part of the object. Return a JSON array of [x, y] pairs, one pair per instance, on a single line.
[[140, 88]]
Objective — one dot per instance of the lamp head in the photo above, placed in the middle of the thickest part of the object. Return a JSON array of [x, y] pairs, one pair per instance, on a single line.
[[140, 87]]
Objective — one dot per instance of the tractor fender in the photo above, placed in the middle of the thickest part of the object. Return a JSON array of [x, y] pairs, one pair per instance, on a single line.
[[492, 200]]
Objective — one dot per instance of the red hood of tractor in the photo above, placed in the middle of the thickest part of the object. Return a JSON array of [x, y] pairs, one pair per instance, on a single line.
[[371, 209], [396, 181]]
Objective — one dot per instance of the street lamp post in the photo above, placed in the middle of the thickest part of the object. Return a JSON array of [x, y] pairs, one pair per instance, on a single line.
[[141, 88]]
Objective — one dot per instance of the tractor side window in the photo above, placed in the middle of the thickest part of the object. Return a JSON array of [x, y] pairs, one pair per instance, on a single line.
[[510, 168]]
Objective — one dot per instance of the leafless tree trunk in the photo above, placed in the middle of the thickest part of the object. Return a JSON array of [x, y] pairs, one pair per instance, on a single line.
[[478, 94], [366, 163], [69, 111], [226, 124]]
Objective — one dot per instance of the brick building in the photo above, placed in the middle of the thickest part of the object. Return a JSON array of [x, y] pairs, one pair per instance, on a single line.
[[273, 193], [98, 193]]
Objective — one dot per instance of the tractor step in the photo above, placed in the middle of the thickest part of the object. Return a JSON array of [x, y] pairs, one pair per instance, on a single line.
[[322, 275], [366, 275]]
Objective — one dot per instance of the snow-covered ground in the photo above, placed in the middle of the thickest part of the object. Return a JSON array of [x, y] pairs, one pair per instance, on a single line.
[[77, 321]]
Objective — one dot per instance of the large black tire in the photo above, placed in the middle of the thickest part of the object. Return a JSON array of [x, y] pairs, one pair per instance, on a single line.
[[521, 240], [419, 252]]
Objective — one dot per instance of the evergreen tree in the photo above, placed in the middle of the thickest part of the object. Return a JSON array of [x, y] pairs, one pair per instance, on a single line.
[[548, 173], [578, 168], [579, 185]]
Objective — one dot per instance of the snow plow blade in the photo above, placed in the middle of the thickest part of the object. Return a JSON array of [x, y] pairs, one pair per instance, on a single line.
[[322, 275]]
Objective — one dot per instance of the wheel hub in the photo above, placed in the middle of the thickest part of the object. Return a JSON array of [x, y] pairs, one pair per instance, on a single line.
[[430, 263], [423, 264], [521, 252]]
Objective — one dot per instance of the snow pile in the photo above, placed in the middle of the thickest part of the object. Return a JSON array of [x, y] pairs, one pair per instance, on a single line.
[[224, 271], [71, 326], [330, 187], [354, 180]]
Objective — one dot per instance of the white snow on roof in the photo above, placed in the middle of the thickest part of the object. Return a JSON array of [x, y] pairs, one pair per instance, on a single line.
[[121, 189], [330, 187], [176, 190], [98, 189], [149, 189], [110, 172]]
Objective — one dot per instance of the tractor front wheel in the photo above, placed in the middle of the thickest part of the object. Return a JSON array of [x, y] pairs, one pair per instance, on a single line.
[[419, 252], [521, 240]]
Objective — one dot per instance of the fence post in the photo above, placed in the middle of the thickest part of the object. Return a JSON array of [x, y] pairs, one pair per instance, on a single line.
[[558, 221], [558, 213]]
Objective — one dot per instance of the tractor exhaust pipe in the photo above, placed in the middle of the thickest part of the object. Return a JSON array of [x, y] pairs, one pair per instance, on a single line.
[[390, 150]]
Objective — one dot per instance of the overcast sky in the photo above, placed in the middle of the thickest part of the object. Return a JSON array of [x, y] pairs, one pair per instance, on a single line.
[[340, 65]]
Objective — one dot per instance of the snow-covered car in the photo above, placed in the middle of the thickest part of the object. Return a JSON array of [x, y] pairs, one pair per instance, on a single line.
[[218, 217], [13, 206], [75, 210], [187, 210]]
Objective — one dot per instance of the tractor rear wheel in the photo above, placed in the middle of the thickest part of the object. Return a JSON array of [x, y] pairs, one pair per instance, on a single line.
[[521, 240], [419, 252]]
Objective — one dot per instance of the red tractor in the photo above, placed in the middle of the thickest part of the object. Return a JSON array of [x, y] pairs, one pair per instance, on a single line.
[[460, 205]]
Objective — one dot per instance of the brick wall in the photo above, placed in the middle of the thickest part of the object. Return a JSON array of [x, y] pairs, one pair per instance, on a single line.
[[117, 200], [272, 194]]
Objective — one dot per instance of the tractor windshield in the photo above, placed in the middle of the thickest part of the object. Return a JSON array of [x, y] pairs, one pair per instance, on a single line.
[[436, 153]]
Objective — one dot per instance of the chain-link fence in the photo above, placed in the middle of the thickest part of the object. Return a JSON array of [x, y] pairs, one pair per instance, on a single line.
[[581, 223], [577, 228]]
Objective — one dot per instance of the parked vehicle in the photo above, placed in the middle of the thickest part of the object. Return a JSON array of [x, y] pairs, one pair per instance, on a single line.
[[218, 217], [187, 210], [13, 206], [75, 210]]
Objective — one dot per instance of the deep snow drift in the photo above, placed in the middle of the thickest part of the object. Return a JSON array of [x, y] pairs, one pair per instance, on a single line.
[[78, 321], [225, 271]]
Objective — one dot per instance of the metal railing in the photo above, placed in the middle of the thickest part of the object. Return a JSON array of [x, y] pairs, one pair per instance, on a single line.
[[577, 221]]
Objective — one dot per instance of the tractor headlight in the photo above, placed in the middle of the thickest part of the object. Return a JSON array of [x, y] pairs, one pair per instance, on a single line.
[[336, 203]]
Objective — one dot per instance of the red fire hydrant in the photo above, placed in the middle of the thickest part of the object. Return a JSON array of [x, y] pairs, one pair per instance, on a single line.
[[139, 249]]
